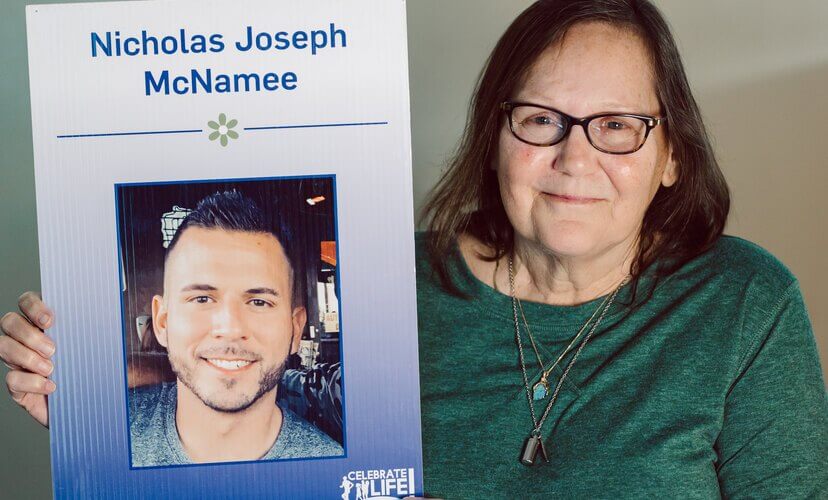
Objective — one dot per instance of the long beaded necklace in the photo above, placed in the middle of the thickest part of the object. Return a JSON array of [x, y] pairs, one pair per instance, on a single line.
[[534, 442]]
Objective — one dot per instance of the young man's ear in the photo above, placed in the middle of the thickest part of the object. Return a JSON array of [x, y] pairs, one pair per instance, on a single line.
[[298, 319], [159, 319]]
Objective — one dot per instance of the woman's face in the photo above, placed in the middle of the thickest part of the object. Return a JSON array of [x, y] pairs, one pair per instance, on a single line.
[[571, 200]]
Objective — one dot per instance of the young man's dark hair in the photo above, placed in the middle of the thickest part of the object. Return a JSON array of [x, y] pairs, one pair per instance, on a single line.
[[233, 211]]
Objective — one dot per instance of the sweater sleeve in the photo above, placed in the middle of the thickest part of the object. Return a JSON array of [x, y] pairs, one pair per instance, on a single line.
[[774, 437]]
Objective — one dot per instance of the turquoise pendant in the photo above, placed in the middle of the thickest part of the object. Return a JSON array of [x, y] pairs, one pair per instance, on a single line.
[[540, 390]]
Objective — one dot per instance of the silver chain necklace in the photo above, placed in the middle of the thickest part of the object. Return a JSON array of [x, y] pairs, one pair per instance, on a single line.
[[541, 388], [534, 442]]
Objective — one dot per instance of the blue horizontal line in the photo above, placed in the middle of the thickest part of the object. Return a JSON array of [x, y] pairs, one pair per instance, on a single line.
[[156, 132], [319, 125]]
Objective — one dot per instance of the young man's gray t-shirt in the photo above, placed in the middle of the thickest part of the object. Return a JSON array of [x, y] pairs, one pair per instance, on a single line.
[[155, 438]]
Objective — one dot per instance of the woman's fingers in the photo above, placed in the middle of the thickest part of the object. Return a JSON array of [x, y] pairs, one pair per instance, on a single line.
[[29, 390], [25, 349], [34, 309], [20, 329], [20, 383], [21, 357]]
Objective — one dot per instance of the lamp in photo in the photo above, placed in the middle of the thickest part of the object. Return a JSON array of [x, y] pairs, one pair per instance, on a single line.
[[170, 221]]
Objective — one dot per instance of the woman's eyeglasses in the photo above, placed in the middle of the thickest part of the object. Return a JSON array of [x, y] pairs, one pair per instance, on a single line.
[[613, 133]]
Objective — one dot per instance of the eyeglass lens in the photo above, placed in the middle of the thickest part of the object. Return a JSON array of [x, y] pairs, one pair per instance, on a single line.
[[539, 126]]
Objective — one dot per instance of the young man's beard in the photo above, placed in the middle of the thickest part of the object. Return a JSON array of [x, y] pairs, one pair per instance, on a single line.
[[268, 379]]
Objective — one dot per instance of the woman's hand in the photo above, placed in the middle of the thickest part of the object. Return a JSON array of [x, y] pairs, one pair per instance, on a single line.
[[26, 350]]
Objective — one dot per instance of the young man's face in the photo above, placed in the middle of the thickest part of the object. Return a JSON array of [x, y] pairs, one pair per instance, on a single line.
[[226, 317]]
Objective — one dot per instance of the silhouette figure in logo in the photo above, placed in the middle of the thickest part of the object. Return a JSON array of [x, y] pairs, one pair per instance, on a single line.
[[362, 490], [346, 486]]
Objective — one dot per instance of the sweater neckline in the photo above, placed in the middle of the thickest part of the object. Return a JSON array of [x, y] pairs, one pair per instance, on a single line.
[[541, 317]]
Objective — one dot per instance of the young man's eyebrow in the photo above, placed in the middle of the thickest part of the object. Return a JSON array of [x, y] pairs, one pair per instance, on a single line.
[[262, 291], [200, 287]]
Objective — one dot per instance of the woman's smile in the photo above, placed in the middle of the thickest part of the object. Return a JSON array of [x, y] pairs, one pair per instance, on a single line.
[[570, 199]]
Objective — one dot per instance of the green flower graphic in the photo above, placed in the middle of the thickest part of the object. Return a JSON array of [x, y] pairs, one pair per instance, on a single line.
[[223, 129]]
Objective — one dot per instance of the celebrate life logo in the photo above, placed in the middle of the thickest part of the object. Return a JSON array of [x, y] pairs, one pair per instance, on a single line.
[[377, 484]]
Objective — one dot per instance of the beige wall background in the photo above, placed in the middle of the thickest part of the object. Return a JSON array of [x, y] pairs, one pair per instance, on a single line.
[[759, 69]]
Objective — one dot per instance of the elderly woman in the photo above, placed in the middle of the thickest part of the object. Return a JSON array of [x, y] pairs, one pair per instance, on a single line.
[[586, 330]]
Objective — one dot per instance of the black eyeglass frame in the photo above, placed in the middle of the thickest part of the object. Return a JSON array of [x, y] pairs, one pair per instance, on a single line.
[[650, 122]]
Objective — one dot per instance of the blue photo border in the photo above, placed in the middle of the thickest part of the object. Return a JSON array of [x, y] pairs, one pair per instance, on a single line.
[[117, 187]]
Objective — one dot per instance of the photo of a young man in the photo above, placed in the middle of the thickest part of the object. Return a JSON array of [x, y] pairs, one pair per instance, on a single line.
[[229, 315]]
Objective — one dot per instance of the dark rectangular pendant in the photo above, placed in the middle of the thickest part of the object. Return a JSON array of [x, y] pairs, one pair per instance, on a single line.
[[543, 450], [530, 450]]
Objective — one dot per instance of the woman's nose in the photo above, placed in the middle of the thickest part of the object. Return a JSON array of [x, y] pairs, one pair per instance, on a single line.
[[576, 154]]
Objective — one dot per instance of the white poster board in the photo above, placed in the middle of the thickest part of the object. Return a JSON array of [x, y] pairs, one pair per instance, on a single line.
[[144, 113]]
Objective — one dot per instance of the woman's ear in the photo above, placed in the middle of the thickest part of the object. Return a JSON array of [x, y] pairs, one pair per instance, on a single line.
[[670, 174]]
